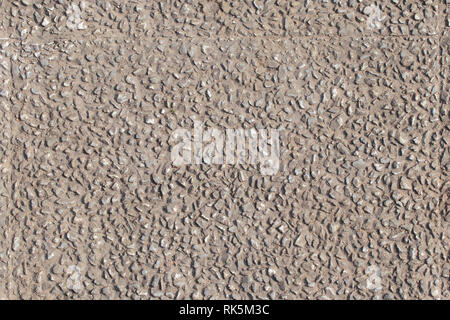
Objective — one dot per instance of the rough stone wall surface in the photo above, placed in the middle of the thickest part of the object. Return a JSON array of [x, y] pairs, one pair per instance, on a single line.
[[92, 207]]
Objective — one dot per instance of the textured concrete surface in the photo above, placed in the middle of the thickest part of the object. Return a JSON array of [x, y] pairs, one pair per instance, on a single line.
[[91, 206]]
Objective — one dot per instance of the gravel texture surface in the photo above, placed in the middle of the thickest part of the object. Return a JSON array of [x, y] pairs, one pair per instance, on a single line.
[[92, 207]]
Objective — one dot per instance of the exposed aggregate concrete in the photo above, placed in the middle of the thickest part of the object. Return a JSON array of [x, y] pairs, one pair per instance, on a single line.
[[91, 206]]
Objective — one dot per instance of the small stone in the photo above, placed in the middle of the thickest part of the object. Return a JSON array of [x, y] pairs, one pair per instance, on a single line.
[[405, 184], [16, 243], [45, 22], [43, 62], [51, 142]]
